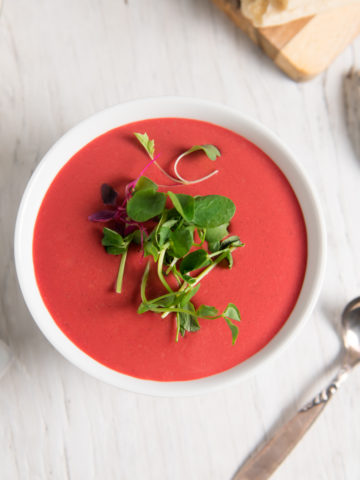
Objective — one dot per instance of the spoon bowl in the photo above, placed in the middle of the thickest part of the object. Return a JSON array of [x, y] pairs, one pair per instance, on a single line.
[[351, 328]]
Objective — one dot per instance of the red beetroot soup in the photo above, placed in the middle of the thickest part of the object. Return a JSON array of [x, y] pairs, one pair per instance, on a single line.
[[76, 276]]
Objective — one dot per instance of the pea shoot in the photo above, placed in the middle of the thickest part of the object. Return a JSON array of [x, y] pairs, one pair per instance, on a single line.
[[183, 236]]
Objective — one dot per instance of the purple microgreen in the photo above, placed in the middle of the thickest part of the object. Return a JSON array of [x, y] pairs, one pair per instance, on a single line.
[[108, 194], [153, 160], [102, 216]]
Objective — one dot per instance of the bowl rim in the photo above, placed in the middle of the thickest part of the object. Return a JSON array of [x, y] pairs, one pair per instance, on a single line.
[[176, 107]]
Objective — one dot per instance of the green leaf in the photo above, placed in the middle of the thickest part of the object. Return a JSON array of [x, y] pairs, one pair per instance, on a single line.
[[186, 297], [233, 241], [172, 213], [214, 246], [194, 260], [145, 204], [201, 233], [164, 231], [115, 244], [211, 151], [207, 311], [145, 183], [181, 241], [143, 307], [150, 249], [116, 250], [230, 259], [234, 330], [232, 312], [216, 234], [213, 211], [165, 301], [188, 322], [148, 144], [111, 238], [188, 278], [136, 237], [184, 204]]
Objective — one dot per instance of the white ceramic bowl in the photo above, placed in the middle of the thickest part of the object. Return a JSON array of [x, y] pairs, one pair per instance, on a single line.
[[133, 111]]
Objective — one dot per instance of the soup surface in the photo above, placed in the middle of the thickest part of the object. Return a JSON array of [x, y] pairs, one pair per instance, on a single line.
[[76, 276]]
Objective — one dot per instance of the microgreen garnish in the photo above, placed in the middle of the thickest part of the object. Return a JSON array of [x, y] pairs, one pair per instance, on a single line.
[[211, 151], [148, 144], [185, 236], [108, 194]]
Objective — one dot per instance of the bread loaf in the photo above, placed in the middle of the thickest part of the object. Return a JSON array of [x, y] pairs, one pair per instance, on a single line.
[[264, 13]]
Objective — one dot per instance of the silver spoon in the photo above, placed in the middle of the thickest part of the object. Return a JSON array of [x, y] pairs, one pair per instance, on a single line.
[[263, 463]]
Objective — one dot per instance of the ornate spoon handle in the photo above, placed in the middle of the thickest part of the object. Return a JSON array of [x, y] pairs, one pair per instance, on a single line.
[[265, 461]]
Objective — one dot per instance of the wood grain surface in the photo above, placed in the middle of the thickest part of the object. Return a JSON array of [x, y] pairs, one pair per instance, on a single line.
[[62, 61]]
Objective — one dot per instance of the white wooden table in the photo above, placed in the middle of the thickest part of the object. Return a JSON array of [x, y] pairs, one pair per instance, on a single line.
[[61, 61]]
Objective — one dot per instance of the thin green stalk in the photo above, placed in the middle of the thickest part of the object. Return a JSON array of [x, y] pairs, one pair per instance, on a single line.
[[212, 266], [219, 252], [177, 327], [182, 310], [180, 224], [160, 267], [202, 274], [161, 221], [154, 300], [120, 276], [144, 282], [171, 266], [181, 289], [201, 237], [176, 275]]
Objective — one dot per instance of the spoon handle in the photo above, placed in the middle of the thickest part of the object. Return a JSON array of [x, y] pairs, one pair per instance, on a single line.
[[265, 461], [5, 357]]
